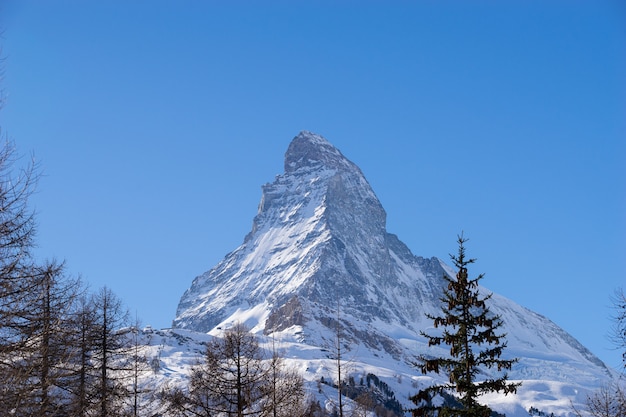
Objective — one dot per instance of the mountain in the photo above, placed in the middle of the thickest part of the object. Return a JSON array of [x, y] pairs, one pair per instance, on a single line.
[[319, 263]]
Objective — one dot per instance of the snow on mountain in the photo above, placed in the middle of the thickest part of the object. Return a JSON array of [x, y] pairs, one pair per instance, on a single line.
[[319, 260]]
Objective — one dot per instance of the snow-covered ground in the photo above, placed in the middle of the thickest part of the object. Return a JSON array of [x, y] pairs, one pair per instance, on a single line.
[[176, 350]]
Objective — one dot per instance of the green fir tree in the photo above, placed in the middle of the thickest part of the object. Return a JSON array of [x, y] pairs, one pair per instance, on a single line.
[[471, 332]]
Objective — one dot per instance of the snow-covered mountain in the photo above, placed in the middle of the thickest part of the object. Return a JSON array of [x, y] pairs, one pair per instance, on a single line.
[[319, 259]]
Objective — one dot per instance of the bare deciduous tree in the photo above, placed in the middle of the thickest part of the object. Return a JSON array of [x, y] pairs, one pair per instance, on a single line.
[[18, 276], [618, 334], [237, 379], [109, 346], [136, 364], [81, 378], [608, 401], [50, 351], [283, 390]]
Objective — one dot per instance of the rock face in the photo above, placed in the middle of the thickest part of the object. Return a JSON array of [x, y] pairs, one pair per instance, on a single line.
[[319, 259], [318, 249]]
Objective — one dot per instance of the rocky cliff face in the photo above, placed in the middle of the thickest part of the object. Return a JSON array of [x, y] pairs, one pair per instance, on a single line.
[[318, 250], [319, 259]]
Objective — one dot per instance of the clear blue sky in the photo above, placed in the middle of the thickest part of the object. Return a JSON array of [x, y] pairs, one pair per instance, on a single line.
[[156, 123]]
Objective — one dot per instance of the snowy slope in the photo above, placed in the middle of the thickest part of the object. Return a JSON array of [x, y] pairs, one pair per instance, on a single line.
[[176, 350], [319, 258]]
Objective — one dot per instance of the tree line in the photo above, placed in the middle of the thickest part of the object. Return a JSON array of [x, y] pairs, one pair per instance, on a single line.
[[61, 352]]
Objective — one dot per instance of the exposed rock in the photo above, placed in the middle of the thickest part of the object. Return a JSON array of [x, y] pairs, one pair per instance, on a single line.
[[319, 257]]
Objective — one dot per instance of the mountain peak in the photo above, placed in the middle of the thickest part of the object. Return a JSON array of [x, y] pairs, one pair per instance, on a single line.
[[319, 261], [310, 150]]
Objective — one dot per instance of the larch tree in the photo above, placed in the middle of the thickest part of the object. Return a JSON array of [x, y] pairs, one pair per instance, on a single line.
[[472, 333], [283, 389], [47, 355], [81, 379], [109, 347], [18, 275], [227, 381], [235, 378], [35, 305], [610, 399], [337, 348], [338, 356], [136, 364], [235, 366], [618, 334]]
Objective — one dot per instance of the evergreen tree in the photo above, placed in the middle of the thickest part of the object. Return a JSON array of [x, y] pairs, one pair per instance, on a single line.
[[471, 332]]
